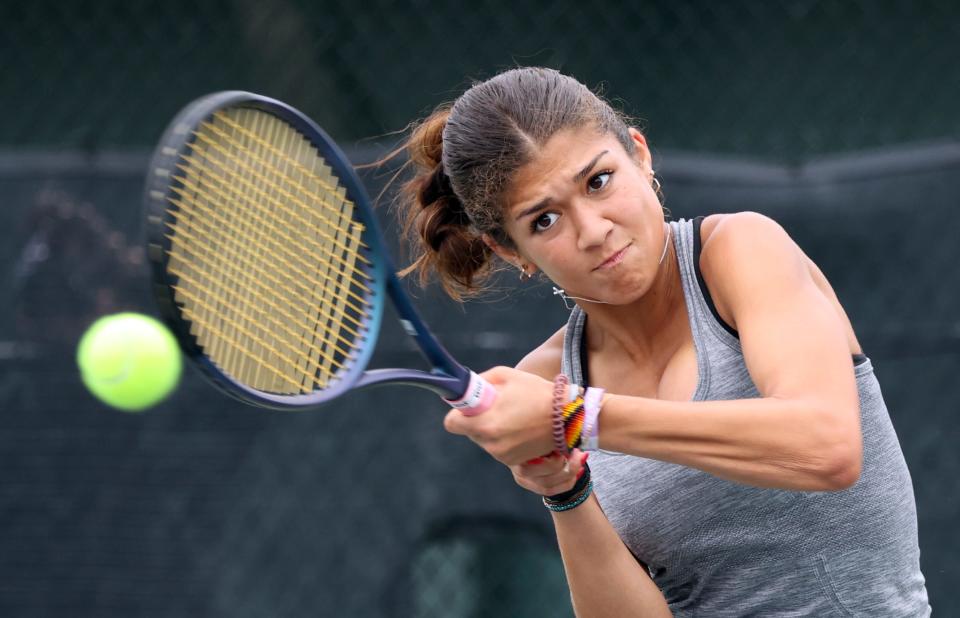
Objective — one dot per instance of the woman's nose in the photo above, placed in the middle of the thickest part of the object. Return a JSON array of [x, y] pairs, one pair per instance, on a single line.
[[593, 228]]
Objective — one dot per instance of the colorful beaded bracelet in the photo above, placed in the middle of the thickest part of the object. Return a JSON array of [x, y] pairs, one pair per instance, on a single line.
[[573, 416]]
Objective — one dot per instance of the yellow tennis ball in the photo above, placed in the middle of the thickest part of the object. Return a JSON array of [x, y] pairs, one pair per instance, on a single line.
[[129, 361]]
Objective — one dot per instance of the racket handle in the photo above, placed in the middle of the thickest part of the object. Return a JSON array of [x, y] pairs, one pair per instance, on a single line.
[[477, 398]]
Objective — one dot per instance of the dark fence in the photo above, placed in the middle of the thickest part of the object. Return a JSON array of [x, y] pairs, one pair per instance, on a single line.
[[785, 79]]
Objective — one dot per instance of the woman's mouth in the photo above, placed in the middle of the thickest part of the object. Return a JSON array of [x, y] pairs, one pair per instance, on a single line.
[[614, 259]]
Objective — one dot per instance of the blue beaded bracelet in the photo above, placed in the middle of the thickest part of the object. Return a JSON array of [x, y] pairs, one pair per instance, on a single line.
[[566, 506]]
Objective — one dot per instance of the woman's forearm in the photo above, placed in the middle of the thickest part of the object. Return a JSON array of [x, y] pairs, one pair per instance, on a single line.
[[766, 442], [605, 579]]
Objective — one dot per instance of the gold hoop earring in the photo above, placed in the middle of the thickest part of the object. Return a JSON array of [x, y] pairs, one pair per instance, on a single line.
[[658, 191]]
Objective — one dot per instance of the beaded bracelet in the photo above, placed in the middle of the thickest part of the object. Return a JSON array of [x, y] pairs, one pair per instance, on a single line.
[[592, 401], [559, 508], [572, 498], [573, 416], [568, 415]]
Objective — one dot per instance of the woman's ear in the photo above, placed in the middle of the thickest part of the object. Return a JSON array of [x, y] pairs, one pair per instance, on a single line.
[[509, 255], [641, 152], [505, 254]]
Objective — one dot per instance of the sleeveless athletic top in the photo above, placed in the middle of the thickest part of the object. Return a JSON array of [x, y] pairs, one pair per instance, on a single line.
[[720, 548]]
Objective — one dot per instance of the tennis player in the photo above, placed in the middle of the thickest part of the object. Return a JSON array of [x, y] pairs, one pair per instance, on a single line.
[[741, 457]]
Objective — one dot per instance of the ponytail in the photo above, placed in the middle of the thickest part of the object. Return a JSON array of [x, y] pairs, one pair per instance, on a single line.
[[442, 236]]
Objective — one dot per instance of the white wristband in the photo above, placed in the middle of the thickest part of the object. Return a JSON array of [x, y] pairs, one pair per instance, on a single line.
[[592, 400]]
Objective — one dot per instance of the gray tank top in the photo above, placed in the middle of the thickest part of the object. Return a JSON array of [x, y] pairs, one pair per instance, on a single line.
[[720, 548]]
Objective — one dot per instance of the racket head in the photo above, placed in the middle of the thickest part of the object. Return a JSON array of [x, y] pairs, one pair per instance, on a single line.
[[266, 258]]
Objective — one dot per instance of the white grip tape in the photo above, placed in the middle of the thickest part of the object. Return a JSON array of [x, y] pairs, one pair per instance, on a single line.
[[478, 397]]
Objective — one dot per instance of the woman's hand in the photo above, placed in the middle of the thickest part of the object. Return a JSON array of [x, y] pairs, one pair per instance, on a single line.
[[551, 475], [518, 427]]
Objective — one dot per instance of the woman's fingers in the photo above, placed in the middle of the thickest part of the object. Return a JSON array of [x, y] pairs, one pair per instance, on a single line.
[[518, 425], [544, 466], [554, 474]]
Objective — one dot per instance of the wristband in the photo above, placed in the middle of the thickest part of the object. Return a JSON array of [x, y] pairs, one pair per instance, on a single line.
[[592, 401]]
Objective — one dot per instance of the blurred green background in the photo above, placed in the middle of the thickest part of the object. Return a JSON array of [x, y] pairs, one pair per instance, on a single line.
[[837, 118]]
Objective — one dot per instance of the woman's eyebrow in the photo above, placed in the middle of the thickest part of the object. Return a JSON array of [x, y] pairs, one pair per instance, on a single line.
[[589, 166], [578, 177], [532, 209]]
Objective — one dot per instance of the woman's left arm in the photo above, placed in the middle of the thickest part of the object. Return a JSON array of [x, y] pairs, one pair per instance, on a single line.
[[802, 433]]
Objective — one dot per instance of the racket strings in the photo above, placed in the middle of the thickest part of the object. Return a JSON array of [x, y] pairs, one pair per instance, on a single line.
[[288, 247], [259, 228], [343, 207], [225, 182], [263, 290], [269, 234], [263, 338], [329, 186], [267, 253], [254, 267]]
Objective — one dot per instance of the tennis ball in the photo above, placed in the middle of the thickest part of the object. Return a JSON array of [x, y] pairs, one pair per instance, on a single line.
[[129, 361]]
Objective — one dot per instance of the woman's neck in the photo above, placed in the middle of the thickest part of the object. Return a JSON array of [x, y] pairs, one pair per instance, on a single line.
[[656, 321]]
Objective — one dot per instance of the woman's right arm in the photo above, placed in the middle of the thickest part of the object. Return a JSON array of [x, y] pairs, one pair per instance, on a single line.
[[604, 578]]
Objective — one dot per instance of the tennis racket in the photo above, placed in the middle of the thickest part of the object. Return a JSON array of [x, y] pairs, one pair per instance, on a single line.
[[268, 264]]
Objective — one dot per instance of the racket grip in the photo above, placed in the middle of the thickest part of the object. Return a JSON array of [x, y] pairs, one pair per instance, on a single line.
[[477, 398]]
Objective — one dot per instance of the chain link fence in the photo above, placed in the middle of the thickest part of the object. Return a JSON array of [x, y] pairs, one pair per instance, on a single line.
[[205, 507], [781, 80]]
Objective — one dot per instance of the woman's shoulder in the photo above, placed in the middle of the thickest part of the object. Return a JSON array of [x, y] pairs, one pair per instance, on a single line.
[[741, 249], [546, 359], [727, 227]]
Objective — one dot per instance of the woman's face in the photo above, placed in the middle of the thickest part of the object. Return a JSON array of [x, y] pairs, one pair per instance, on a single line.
[[584, 212]]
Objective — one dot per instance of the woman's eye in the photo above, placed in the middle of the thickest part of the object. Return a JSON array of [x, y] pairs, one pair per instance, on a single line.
[[544, 221], [598, 182]]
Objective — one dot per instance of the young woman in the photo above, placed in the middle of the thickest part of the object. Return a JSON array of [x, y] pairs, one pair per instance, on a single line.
[[745, 462]]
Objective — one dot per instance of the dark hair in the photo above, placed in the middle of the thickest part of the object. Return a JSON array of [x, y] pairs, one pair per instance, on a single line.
[[466, 155]]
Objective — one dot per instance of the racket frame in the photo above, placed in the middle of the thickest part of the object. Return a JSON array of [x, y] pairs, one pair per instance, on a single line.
[[448, 378]]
